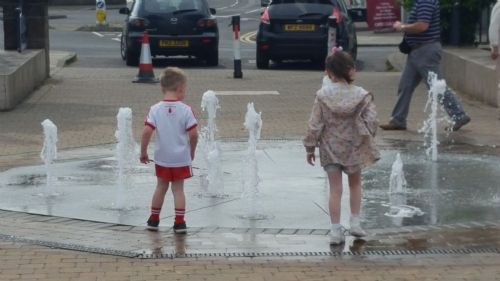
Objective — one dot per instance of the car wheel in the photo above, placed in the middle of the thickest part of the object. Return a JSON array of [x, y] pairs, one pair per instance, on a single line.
[[131, 58], [123, 47], [213, 58], [262, 60]]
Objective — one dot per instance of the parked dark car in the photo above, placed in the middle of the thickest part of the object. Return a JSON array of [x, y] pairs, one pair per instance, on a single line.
[[298, 29], [175, 27]]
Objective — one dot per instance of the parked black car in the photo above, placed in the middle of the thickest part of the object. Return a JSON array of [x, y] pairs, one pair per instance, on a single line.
[[298, 29], [175, 27]]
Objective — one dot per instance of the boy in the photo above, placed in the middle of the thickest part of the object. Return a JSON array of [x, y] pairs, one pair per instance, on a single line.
[[175, 144]]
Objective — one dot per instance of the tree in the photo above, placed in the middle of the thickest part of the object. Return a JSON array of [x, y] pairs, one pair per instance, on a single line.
[[469, 10]]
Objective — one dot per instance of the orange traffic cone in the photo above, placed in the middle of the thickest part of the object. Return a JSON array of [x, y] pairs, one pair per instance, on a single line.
[[146, 74]]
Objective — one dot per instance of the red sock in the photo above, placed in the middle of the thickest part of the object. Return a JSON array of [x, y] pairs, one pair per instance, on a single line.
[[179, 215], [155, 213]]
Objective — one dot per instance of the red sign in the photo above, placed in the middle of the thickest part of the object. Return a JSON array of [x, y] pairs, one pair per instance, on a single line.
[[381, 14]]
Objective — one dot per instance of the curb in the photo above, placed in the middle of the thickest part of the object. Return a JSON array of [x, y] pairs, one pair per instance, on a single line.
[[67, 59]]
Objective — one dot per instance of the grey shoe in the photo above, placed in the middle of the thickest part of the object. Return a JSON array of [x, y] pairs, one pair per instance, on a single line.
[[460, 123], [337, 235], [356, 229]]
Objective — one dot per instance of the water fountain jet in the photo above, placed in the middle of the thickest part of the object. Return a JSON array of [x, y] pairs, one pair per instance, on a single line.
[[49, 154], [211, 177]]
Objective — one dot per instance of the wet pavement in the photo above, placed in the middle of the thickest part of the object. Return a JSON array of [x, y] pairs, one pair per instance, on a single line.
[[458, 188]]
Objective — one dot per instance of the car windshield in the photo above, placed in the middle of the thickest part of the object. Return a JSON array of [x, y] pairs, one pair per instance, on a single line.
[[168, 6], [328, 2]]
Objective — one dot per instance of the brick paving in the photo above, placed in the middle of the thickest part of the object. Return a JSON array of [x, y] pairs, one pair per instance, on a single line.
[[84, 102]]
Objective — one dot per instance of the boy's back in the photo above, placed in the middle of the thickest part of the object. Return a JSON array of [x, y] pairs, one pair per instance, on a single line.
[[172, 119]]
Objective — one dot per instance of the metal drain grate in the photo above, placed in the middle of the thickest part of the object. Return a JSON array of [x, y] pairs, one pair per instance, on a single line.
[[327, 254], [73, 247]]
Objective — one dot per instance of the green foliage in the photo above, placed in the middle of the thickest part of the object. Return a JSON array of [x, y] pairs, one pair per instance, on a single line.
[[469, 16]]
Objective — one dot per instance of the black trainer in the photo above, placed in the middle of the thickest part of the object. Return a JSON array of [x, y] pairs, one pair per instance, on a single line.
[[180, 227], [153, 225]]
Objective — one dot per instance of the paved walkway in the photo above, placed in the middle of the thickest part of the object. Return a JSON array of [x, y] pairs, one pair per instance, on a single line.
[[84, 102]]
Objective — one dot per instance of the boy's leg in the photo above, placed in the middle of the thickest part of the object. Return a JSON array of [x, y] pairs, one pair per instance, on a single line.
[[159, 194], [157, 203], [355, 201], [180, 206]]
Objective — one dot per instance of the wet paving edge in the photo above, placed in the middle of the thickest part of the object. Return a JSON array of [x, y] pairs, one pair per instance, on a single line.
[[377, 245]]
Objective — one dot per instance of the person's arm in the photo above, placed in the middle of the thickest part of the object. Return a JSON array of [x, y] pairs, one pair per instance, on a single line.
[[369, 115], [147, 132], [316, 126], [193, 140], [417, 27]]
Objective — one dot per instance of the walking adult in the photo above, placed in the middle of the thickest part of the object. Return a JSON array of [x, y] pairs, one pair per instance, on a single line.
[[494, 31], [422, 34]]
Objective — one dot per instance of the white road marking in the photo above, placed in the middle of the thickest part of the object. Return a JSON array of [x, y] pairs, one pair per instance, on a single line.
[[246, 93], [251, 61], [116, 39], [253, 11], [98, 34], [234, 4]]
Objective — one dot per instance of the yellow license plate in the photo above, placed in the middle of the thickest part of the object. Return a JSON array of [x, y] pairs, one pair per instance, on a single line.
[[299, 27], [174, 43]]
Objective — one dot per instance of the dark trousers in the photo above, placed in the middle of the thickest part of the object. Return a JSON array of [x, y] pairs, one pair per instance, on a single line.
[[419, 63]]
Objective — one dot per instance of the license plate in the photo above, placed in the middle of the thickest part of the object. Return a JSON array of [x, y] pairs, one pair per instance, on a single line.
[[299, 27], [174, 43]]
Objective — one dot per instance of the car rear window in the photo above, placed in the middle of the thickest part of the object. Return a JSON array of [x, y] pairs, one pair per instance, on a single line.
[[166, 6], [327, 2]]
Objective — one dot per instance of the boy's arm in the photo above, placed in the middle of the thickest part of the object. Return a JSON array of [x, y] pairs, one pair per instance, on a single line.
[[147, 132], [193, 140]]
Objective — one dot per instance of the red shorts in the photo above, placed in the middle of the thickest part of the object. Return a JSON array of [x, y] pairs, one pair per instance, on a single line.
[[173, 173]]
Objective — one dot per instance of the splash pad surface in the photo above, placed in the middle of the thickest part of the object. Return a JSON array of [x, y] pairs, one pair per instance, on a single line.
[[457, 188]]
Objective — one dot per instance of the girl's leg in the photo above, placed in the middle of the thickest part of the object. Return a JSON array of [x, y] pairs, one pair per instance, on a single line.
[[355, 192], [159, 194], [355, 200], [335, 180]]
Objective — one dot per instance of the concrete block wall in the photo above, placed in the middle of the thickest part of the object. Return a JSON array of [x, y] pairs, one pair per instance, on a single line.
[[19, 82], [471, 71]]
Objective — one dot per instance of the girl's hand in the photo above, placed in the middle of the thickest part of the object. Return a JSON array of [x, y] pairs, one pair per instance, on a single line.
[[144, 158], [310, 158]]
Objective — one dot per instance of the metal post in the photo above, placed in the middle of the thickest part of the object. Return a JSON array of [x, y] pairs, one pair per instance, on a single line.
[[100, 14], [332, 34], [235, 22], [21, 28]]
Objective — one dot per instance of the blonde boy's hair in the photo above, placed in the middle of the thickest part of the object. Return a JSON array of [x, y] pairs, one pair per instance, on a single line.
[[172, 77]]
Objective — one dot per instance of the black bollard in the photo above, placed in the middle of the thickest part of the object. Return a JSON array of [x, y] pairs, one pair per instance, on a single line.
[[455, 24]]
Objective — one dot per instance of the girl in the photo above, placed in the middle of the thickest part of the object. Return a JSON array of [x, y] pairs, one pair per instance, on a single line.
[[343, 123]]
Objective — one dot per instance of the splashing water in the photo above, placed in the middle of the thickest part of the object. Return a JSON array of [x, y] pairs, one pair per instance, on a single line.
[[397, 181], [251, 179], [49, 153], [429, 128], [397, 195], [211, 180], [126, 153]]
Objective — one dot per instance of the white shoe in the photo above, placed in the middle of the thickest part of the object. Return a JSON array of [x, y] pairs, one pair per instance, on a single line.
[[356, 229], [337, 235]]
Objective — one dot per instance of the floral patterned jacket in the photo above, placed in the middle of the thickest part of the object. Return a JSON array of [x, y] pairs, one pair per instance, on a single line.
[[343, 124]]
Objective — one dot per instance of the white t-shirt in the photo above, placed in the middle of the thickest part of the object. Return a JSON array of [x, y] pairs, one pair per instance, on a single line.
[[172, 119]]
